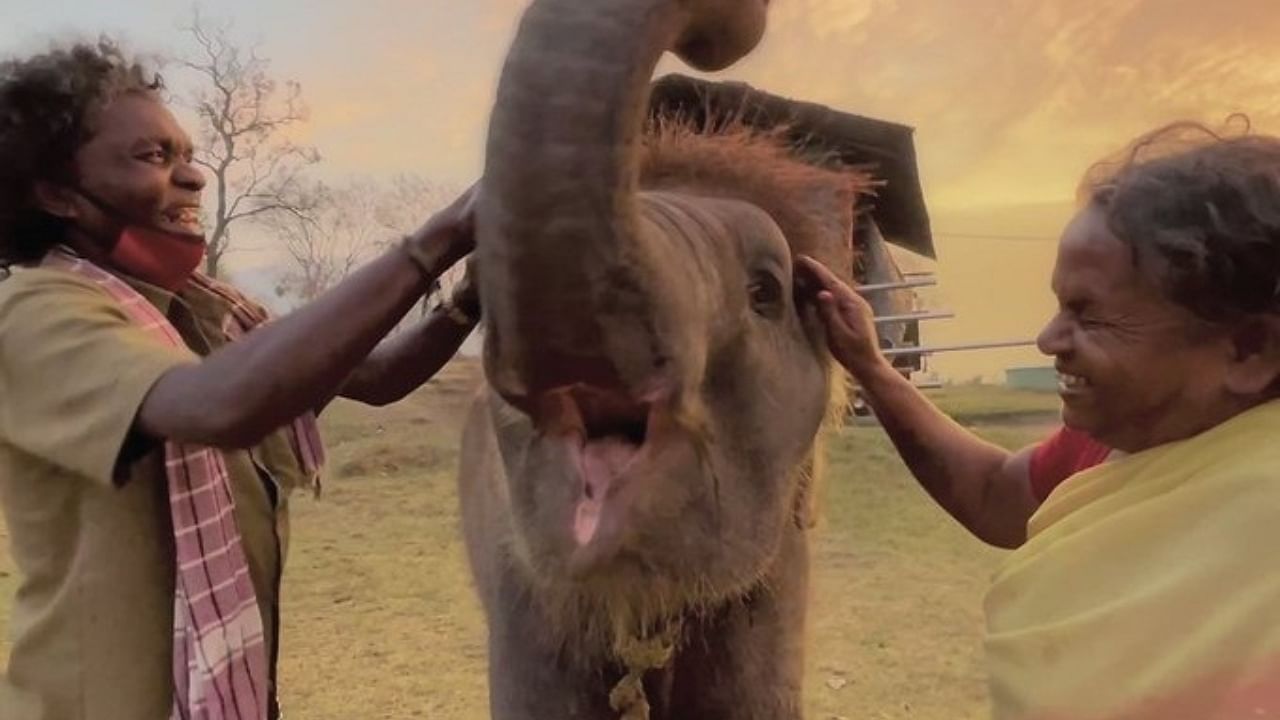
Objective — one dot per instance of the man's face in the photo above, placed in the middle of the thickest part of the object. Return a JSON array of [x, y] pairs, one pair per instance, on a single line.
[[1136, 369], [139, 162]]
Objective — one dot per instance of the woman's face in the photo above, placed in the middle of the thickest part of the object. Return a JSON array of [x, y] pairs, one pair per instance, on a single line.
[[1136, 370], [139, 162]]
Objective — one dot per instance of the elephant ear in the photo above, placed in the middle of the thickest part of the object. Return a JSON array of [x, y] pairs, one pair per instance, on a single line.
[[830, 206], [831, 210], [807, 509], [807, 506]]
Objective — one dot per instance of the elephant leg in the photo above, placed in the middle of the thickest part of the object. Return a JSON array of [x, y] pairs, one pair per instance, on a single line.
[[746, 661], [529, 679]]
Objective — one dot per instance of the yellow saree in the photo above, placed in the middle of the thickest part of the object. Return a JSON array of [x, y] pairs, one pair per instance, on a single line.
[[1149, 587]]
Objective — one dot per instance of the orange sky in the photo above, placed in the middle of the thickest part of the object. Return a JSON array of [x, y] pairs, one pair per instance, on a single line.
[[1011, 100]]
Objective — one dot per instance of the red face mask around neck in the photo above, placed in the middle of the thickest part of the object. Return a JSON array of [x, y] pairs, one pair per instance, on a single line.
[[161, 258], [164, 259]]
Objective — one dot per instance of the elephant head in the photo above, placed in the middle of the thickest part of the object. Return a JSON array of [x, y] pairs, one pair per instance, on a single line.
[[658, 383]]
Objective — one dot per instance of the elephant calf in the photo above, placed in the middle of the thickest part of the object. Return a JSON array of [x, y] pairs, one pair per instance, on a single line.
[[636, 475]]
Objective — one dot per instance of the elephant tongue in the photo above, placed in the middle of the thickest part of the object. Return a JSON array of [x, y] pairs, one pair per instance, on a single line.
[[602, 462]]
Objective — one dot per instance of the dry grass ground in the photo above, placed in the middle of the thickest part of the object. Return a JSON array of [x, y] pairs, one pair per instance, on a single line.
[[380, 620]]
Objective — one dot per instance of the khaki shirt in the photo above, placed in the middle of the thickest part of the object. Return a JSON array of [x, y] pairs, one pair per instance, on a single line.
[[86, 502]]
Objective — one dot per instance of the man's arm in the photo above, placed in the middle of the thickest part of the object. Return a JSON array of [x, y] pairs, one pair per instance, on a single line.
[[246, 389], [983, 486], [404, 362]]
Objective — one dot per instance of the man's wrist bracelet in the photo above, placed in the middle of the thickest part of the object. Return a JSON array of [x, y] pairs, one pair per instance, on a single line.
[[420, 257]]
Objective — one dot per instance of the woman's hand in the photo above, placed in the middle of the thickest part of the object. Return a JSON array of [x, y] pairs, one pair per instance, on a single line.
[[848, 318]]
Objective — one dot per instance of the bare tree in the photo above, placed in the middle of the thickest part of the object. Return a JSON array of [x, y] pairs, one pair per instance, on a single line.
[[326, 243], [244, 116]]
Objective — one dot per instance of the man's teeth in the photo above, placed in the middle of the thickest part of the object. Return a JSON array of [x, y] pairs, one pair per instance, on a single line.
[[1072, 382], [186, 216]]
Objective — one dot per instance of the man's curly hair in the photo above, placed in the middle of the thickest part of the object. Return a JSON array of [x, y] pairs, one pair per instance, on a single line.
[[1201, 211], [48, 106]]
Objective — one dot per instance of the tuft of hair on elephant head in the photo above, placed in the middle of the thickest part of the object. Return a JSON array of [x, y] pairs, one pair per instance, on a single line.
[[636, 476]]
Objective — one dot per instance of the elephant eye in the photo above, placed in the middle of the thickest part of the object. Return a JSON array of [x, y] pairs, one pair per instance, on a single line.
[[765, 292]]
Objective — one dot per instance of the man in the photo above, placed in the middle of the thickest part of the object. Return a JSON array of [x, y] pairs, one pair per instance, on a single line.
[[152, 423]]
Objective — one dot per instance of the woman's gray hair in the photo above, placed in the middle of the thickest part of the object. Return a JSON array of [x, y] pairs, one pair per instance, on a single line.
[[1201, 210]]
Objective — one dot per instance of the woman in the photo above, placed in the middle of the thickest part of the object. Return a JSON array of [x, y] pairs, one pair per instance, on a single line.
[[151, 424], [1147, 585]]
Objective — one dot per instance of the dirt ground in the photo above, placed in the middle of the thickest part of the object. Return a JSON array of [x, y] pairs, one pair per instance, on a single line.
[[380, 620]]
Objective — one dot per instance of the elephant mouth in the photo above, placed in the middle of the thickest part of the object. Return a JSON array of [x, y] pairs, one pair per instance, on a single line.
[[610, 437]]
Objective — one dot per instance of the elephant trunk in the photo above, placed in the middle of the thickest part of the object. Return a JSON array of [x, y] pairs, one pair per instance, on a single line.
[[565, 255]]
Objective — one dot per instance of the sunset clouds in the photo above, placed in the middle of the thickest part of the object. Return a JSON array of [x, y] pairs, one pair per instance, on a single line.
[[1011, 99]]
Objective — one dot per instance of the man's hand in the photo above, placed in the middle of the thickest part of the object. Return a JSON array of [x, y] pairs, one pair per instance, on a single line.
[[449, 235], [466, 294], [848, 319]]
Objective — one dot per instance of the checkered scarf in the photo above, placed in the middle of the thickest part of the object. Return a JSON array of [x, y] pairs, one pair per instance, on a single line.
[[220, 669]]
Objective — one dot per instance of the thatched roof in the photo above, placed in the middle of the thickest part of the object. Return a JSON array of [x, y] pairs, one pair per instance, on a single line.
[[885, 148]]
